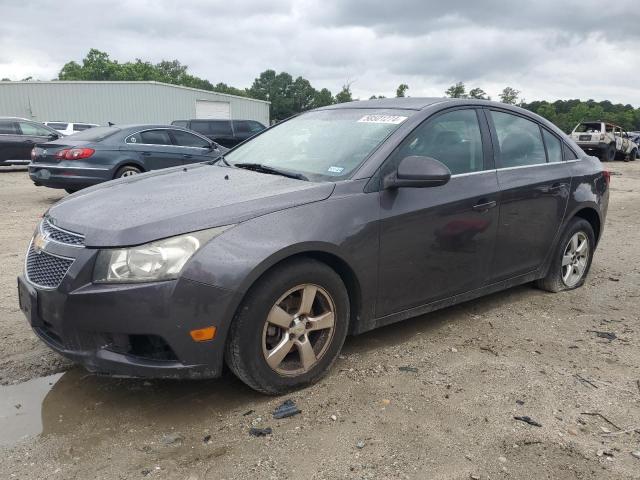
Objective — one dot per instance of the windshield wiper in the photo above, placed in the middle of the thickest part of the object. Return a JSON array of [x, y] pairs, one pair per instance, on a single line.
[[218, 159], [259, 167]]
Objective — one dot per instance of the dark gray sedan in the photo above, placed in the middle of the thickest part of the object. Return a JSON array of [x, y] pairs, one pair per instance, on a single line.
[[104, 153], [337, 221]]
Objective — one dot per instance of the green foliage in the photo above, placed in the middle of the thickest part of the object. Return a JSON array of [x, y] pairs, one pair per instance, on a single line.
[[509, 95], [344, 95], [287, 96], [479, 94], [402, 90], [456, 91], [566, 114]]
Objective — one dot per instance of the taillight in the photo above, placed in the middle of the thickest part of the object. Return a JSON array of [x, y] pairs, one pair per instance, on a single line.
[[33, 154], [607, 176], [74, 153]]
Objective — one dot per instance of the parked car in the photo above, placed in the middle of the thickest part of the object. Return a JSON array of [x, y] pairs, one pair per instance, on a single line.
[[337, 221], [17, 138], [228, 133], [104, 153], [606, 140], [69, 128]]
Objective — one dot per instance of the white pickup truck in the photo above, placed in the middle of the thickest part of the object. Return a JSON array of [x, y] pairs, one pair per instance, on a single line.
[[605, 140]]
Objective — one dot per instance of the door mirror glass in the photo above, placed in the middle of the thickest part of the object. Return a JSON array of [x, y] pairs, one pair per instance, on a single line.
[[53, 136], [418, 172]]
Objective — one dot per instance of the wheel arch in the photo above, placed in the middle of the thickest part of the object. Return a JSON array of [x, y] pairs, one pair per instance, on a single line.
[[128, 163], [324, 255], [592, 216]]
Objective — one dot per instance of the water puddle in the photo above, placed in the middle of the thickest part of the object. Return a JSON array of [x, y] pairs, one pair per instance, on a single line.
[[82, 406], [20, 408]]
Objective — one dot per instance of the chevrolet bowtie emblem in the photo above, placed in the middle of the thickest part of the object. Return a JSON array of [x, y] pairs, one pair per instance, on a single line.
[[39, 242]]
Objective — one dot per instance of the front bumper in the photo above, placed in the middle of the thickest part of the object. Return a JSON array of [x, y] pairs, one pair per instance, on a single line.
[[63, 176], [134, 330]]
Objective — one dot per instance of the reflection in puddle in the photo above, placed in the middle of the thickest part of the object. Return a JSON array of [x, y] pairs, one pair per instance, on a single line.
[[20, 408], [95, 407]]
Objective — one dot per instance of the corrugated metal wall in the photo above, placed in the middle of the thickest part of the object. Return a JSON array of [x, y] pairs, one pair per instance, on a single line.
[[118, 102]]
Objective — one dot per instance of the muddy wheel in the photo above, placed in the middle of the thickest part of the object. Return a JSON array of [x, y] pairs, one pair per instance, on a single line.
[[290, 328], [127, 171], [572, 258], [608, 153]]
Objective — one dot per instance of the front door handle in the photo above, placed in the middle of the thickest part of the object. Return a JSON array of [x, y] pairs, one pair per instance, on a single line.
[[484, 205], [186, 155], [146, 154]]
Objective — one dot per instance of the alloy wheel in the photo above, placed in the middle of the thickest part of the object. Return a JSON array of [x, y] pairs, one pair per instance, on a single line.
[[129, 173], [298, 330], [575, 259]]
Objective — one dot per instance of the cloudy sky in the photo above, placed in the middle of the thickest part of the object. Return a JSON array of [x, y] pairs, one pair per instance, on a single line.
[[548, 49]]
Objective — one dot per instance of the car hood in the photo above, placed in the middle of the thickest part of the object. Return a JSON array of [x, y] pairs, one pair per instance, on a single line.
[[163, 203]]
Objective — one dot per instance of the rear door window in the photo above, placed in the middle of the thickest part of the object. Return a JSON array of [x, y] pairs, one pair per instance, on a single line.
[[568, 153], [8, 127], [220, 127], [519, 139], [554, 147], [151, 137], [186, 139], [201, 127], [81, 127], [34, 130]]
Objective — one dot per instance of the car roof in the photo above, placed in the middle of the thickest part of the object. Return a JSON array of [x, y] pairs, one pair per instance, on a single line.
[[18, 118], [417, 103]]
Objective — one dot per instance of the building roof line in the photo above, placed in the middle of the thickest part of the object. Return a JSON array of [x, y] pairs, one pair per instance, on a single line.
[[135, 82]]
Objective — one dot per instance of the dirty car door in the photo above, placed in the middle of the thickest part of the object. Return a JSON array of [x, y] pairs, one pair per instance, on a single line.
[[533, 193], [154, 149], [438, 241]]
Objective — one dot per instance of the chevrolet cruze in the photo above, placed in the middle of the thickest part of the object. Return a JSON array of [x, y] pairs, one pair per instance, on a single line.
[[335, 222]]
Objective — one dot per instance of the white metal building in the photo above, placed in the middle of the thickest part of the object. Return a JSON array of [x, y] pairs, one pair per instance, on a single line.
[[123, 102]]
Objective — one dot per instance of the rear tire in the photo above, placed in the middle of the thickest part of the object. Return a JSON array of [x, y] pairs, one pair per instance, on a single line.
[[127, 171], [570, 265], [608, 153], [632, 155], [71, 190], [276, 342]]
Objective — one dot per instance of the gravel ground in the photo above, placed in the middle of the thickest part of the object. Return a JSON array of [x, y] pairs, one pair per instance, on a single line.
[[473, 367]]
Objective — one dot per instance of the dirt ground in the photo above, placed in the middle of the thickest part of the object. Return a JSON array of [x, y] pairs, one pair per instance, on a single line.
[[473, 367]]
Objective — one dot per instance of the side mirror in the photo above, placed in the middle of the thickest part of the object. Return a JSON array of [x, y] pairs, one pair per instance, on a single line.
[[213, 146], [418, 172], [54, 136]]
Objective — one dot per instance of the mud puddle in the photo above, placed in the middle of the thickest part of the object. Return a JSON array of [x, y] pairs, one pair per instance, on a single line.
[[85, 406]]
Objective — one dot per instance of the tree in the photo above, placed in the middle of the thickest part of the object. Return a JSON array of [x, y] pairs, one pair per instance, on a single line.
[[345, 94], [509, 96], [456, 91], [374, 97], [323, 98], [479, 94], [5, 80], [402, 89]]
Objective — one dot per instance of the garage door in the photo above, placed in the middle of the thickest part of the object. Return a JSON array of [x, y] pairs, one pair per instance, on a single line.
[[211, 109]]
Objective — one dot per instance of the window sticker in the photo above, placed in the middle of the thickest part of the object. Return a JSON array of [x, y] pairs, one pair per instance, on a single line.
[[335, 169], [393, 119]]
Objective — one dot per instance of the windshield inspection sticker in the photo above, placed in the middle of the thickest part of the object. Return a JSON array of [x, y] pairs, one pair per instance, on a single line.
[[393, 119], [335, 169]]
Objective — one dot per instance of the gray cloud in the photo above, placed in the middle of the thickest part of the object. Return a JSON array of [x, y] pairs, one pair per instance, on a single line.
[[559, 49]]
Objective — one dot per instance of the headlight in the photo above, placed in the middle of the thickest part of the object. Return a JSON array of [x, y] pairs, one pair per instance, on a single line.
[[159, 260]]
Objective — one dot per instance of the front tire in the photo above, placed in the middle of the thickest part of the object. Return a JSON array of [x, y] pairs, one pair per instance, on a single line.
[[572, 259], [632, 155], [290, 328]]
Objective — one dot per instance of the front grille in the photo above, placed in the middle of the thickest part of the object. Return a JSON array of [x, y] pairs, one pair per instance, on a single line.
[[59, 235], [44, 270]]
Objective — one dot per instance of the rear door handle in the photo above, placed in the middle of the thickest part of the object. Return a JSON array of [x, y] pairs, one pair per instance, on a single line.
[[484, 205], [553, 188], [187, 155], [146, 154]]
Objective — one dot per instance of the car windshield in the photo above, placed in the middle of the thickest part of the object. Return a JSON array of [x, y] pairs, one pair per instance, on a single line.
[[324, 145], [95, 134], [588, 128]]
